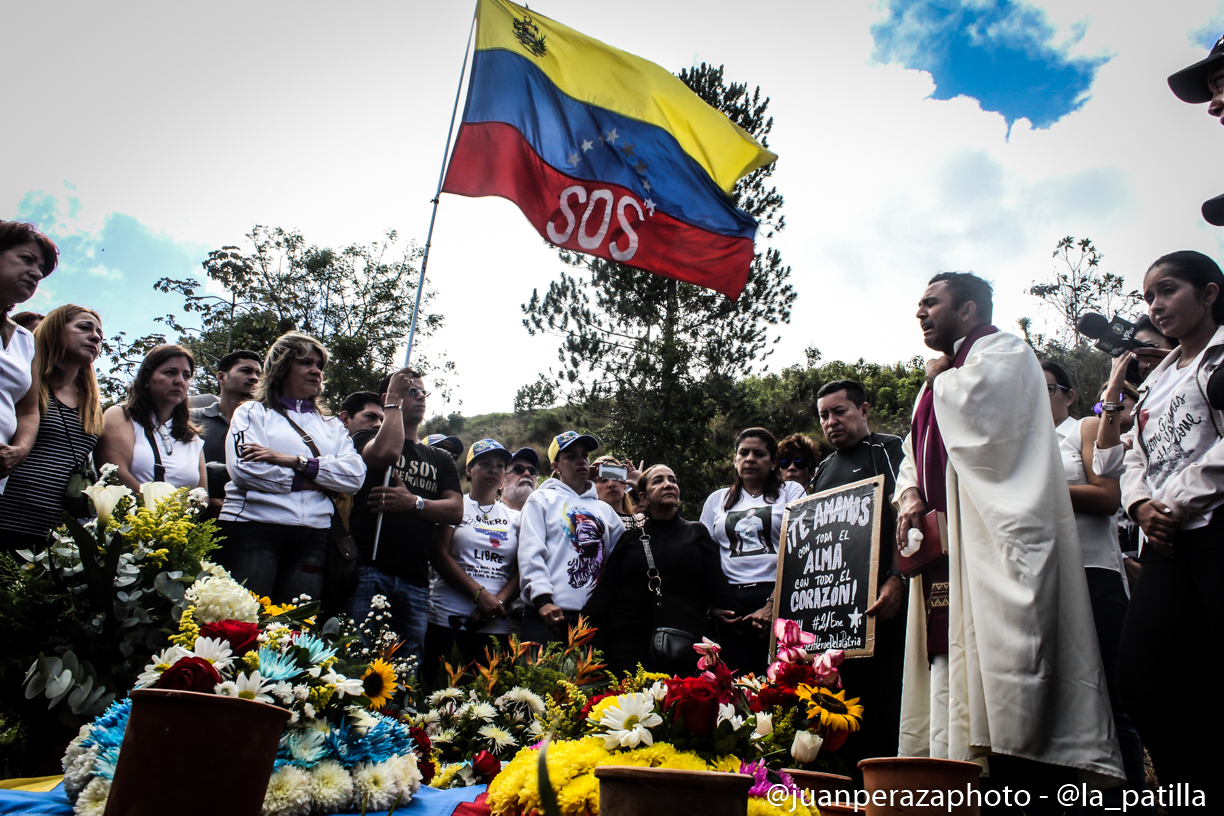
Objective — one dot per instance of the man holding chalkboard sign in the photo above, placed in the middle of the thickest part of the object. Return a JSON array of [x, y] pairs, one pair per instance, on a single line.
[[1010, 675], [859, 455]]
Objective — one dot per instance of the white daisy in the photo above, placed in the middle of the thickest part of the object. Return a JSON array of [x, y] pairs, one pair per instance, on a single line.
[[499, 739], [629, 721], [248, 687], [215, 651], [331, 787], [158, 664], [289, 792]]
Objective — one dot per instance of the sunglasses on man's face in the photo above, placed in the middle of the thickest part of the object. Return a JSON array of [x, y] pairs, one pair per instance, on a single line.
[[519, 470], [801, 464]]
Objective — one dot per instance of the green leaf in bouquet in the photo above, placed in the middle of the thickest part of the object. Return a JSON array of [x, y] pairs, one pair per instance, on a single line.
[[59, 687], [81, 693], [169, 587], [548, 796]]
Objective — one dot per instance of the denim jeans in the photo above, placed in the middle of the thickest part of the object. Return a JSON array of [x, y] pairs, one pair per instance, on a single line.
[[409, 607], [276, 560]]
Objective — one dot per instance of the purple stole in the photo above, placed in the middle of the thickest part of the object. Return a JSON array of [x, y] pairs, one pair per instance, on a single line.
[[931, 463]]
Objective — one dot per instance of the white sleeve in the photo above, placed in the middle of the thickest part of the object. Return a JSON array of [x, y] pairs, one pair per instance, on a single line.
[[345, 470], [248, 426], [907, 474], [710, 511], [534, 578], [1109, 462]]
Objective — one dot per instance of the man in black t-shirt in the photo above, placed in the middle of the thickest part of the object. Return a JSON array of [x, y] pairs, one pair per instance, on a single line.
[[237, 375], [862, 455], [423, 495]]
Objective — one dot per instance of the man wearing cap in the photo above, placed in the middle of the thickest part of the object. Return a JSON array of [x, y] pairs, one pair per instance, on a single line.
[[520, 478], [565, 538], [1204, 82], [423, 496]]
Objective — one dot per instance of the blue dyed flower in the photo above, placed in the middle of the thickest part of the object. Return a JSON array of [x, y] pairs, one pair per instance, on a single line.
[[276, 666], [318, 649]]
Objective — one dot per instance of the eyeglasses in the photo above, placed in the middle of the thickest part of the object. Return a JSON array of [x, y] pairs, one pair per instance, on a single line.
[[801, 464], [521, 469], [1052, 388], [415, 392]]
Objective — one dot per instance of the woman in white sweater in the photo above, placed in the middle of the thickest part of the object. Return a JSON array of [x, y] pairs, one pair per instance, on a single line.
[[284, 457]]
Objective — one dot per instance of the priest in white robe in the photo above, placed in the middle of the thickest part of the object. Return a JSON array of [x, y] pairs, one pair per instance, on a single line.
[[1014, 667]]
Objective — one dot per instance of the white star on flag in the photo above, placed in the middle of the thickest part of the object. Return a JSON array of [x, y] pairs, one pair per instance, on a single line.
[[587, 144], [574, 158], [650, 205], [612, 136]]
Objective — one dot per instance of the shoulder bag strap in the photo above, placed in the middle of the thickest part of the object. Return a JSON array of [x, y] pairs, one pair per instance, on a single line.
[[654, 582], [305, 436], [159, 470]]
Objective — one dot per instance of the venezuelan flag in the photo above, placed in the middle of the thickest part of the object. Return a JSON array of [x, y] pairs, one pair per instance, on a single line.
[[604, 152]]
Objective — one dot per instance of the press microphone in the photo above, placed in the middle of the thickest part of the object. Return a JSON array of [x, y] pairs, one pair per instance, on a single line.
[[1114, 337]]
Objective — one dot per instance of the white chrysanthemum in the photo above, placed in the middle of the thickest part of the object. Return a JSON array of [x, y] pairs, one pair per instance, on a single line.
[[216, 599], [198, 496], [629, 721], [248, 687], [407, 775], [483, 711], [283, 691], [523, 697], [215, 650], [92, 801], [446, 695], [158, 664], [499, 738], [332, 787], [289, 792], [446, 735], [374, 786], [214, 569], [429, 718], [536, 729], [308, 711], [78, 768]]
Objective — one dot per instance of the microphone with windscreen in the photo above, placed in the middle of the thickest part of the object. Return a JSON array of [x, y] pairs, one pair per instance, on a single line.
[[1114, 337]]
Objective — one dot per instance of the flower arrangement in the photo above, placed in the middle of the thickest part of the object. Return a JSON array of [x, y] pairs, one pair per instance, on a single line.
[[337, 751], [802, 714]]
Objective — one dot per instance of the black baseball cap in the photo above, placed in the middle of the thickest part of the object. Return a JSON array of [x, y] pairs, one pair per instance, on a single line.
[[1190, 84], [1213, 210]]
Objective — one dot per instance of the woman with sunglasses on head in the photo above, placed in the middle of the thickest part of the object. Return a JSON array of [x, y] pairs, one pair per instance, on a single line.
[[1095, 499], [150, 438], [687, 574], [1173, 486], [26, 257], [68, 341], [797, 460], [285, 457], [475, 570], [745, 520]]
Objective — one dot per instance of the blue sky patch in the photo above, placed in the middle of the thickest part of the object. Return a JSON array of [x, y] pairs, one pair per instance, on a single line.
[[1000, 53]]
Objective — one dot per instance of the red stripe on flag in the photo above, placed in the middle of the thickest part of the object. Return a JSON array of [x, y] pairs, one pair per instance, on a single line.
[[607, 220]]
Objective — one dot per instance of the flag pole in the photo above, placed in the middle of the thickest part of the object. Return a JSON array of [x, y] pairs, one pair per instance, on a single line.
[[416, 311]]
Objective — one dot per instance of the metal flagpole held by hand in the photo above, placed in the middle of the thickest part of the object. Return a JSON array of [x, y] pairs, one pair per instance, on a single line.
[[416, 311]]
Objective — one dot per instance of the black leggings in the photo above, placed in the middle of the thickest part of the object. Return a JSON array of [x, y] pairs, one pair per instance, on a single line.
[[1173, 634]]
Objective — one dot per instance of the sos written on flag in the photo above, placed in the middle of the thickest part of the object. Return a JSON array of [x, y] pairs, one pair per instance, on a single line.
[[604, 152]]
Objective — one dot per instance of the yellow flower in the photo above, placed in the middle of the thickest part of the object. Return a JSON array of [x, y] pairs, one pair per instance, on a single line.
[[836, 712], [727, 764], [379, 682], [599, 708], [189, 630]]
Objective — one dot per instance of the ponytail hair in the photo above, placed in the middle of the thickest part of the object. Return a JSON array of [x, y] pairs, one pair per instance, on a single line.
[[1198, 270]]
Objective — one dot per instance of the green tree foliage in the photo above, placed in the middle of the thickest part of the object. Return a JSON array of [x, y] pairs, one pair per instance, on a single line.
[[1078, 286], [649, 359], [357, 300]]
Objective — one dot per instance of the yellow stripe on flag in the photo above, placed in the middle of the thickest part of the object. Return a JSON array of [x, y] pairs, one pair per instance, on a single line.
[[597, 74]]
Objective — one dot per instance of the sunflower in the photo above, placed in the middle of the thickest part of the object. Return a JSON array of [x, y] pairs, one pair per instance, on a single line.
[[835, 711], [379, 683]]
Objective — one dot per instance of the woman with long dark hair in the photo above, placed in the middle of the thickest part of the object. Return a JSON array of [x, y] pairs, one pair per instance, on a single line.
[[150, 438], [26, 257], [624, 606], [1173, 486], [68, 342], [745, 520], [284, 456]]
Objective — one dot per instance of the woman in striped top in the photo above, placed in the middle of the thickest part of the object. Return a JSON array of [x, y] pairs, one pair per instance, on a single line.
[[68, 342]]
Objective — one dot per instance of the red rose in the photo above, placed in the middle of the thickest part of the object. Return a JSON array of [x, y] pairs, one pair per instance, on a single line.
[[791, 675], [427, 769], [695, 701], [242, 637], [834, 740], [768, 698], [421, 738], [190, 674], [486, 767]]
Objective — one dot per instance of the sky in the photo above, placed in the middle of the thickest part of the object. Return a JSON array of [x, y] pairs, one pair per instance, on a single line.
[[914, 136]]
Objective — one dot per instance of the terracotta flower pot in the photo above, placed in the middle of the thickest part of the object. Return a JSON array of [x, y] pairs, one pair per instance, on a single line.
[[626, 790], [817, 781], [174, 737], [913, 774]]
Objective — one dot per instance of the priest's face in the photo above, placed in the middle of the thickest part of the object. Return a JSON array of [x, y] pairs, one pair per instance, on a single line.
[[941, 325]]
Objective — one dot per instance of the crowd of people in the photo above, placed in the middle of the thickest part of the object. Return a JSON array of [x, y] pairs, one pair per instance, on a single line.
[[1080, 560]]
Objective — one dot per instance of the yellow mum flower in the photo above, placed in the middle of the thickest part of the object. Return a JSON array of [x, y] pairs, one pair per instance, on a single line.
[[726, 764]]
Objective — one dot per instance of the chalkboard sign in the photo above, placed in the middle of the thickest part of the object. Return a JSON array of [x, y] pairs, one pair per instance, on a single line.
[[828, 564]]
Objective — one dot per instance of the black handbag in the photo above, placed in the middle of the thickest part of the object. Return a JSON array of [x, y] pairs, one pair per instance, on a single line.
[[341, 568], [672, 622]]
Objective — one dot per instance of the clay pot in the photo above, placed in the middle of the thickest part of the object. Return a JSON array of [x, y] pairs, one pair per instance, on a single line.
[[626, 790], [173, 737], [901, 774], [816, 781]]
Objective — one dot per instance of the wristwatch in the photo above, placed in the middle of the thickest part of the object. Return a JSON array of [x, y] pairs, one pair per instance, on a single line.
[[1112, 406], [420, 504], [300, 465], [399, 406]]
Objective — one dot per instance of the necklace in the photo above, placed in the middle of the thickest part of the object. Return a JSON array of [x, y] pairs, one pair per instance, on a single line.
[[166, 438], [484, 514]]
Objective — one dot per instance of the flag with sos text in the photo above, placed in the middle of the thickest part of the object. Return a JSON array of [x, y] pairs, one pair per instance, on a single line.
[[604, 152]]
